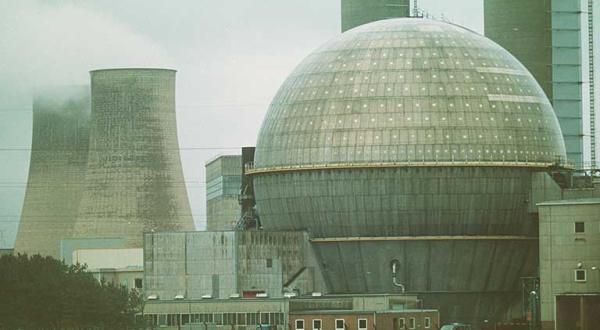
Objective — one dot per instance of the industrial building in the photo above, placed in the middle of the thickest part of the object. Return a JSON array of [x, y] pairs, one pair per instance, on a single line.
[[292, 313], [406, 147], [223, 182], [220, 264], [359, 12], [554, 39], [133, 179], [59, 151], [570, 264]]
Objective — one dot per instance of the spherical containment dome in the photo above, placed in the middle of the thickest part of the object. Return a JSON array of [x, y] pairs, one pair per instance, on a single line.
[[412, 142], [406, 90], [405, 127]]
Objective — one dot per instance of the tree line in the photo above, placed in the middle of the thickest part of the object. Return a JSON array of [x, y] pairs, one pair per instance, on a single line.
[[44, 293]]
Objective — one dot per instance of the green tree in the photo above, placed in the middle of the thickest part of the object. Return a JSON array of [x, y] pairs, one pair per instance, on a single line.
[[44, 293]]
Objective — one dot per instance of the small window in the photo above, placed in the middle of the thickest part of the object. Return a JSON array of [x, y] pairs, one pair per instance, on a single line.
[[269, 263], [411, 323], [362, 324], [401, 323], [427, 322], [317, 325], [580, 275], [579, 227], [138, 283], [340, 324], [299, 324]]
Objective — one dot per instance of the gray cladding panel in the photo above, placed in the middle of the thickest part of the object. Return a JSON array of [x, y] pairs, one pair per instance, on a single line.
[[451, 275], [405, 201]]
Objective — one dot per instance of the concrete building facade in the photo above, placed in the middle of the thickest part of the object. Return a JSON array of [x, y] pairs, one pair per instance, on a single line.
[[133, 179], [59, 151], [554, 39], [359, 12], [570, 264], [221, 264], [223, 182]]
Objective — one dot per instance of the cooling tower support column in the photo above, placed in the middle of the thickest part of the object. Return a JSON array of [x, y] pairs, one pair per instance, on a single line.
[[134, 181]]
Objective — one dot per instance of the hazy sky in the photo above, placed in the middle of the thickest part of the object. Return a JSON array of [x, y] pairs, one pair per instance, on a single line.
[[231, 57]]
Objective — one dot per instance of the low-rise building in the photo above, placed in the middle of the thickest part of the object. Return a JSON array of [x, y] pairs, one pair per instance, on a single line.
[[569, 245], [364, 312]]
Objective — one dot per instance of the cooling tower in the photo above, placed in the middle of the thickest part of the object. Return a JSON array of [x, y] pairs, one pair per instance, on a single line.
[[134, 180], [59, 151], [406, 148]]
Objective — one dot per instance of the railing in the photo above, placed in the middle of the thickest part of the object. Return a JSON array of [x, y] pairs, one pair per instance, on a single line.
[[559, 163]]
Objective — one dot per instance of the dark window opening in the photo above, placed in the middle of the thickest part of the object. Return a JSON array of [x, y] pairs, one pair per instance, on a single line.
[[580, 227], [138, 283], [362, 323], [317, 325], [269, 263], [580, 275]]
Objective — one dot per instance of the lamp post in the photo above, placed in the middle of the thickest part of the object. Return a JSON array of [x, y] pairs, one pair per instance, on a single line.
[[533, 295]]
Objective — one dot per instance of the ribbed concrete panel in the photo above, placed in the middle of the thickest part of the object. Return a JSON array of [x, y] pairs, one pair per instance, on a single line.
[[55, 184], [134, 181], [401, 201], [451, 275]]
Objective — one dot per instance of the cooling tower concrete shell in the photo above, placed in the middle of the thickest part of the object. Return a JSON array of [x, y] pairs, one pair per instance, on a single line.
[[134, 181], [411, 142], [59, 150]]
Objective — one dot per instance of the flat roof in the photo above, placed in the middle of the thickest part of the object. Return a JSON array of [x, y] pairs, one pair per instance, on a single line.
[[580, 201], [354, 311], [134, 68]]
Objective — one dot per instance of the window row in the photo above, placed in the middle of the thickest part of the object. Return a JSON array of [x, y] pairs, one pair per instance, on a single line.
[[257, 318]]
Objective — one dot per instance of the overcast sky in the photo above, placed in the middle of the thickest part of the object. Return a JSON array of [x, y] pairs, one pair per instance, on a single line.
[[231, 57]]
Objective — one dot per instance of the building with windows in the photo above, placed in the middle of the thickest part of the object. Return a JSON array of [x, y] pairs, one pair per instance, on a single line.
[[359, 12], [340, 312], [554, 39], [570, 264], [364, 319], [223, 182]]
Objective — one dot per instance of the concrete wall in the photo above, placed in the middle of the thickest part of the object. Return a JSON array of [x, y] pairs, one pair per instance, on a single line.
[[223, 263], [359, 12], [223, 181], [523, 28], [192, 264], [109, 258], [561, 250]]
